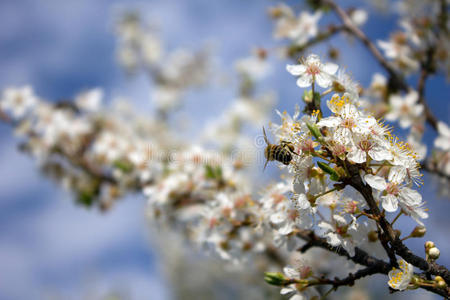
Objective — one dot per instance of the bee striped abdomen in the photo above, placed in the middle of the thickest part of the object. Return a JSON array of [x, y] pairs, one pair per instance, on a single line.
[[279, 153]]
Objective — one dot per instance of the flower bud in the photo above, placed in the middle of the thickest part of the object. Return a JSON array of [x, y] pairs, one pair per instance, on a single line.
[[428, 245], [275, 12], [308, 96], [419, 231], [441, 284], [333, 53], [434, 253], [414, 280], [274, 278], [316, 172], [373, 236]]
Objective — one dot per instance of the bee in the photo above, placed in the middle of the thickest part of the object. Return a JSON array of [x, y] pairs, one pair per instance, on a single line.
[[283, 152]]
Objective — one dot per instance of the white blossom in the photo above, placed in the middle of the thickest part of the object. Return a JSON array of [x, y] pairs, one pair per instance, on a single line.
[[313, 70], [443, 140], [299, 29], [399, 279], [90, 100], [394, 192], [18, 101], [405, 109]]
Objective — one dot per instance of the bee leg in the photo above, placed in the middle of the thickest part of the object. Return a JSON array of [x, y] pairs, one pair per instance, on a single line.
[[265, 165]]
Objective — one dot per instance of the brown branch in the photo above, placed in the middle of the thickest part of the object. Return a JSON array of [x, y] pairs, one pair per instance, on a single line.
[[443, 16], [350, 279], [387, 233], [274, 255], [331, 31], [426, 68], [384, 240], [432, 169], [396, 244], [361, 257], [396, 80], [354, 30]]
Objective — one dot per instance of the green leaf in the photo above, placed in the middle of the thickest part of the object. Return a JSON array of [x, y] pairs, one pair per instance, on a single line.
[[213, 172], [307, 96], [123, 165], [209, 172], [86, 198], [329, 170], [219, 172]]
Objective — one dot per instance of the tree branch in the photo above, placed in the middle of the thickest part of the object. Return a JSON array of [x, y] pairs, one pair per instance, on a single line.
[[350, 279], [396, 244], [331, 31], [354, 30], [432, 169], [361, 257], [426, 68], [396, 80]]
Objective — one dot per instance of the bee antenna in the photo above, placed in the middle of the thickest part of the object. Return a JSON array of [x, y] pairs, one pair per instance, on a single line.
[[265, 137]]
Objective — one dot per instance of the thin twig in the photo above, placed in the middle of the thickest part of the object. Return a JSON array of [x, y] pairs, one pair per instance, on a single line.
[[431, 168], [361, 257], [331, 31], [396, 244], [426, 67], [396, 80]]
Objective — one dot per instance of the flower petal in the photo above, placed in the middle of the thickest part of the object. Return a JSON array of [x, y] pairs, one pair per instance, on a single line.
[[357, 156], [296, 70], [329, 122], [330, 68], [323, 79], [376, 182], [390, 203], [304, 81]]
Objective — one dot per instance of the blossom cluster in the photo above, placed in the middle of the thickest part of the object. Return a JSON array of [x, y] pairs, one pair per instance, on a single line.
[[205, 190], [326, 148], [173, 72], [99, 154]]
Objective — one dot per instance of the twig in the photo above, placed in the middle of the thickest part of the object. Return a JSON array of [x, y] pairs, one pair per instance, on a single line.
[[396, 80], [396, 244], [426, 67], [361, 257], [431, 168], [354, 30], [331, 30], [350, 279]]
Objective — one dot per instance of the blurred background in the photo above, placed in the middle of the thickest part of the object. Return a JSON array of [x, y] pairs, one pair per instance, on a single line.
[[53, 249]]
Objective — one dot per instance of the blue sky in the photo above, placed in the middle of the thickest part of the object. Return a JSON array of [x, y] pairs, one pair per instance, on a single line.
[[52, 247]]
